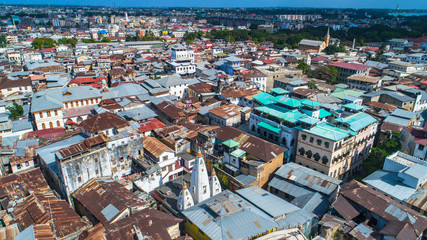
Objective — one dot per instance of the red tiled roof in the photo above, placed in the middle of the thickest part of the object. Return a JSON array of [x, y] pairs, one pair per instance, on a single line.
[[352, 66], [151, 124], [47, 133]]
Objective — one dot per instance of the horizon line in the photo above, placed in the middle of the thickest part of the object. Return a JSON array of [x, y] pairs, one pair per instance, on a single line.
[[148, 7]]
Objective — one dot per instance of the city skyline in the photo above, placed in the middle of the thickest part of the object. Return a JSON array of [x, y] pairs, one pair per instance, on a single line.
[[383, 4]]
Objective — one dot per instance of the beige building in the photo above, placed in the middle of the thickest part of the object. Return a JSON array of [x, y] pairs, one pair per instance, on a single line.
[[274, 72], [337, 151]]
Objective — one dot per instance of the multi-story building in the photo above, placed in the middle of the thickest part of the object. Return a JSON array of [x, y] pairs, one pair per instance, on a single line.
[[365, 83], [337, 150], [182, 60], [279, 119], [51, 108], [274, 71], [346, 70], [176, 85]]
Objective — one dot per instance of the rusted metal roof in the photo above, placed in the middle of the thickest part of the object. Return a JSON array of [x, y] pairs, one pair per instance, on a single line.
[[16, 186], [150, 222], [103, 121], [43, 232], [384, 206], [345, 209], [261, 149], [155, 147], [41, 208], [98, 194], [82, 146]]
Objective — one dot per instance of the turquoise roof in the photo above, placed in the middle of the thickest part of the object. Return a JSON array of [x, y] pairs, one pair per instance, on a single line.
[[341, 85], [238, 153], [323, 113], [281, 113], [230, 143], [353, 106], [359, 121], [310, 103], [329, 131], [342, 93], [263, 98], [269, 127], [294, 103], [309, 120], [279, 91]]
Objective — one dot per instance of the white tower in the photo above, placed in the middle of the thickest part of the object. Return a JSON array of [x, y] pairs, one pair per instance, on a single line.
[[185, 200], [215, 185], [199, 180]]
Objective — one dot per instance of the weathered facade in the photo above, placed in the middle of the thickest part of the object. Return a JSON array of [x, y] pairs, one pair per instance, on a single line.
[[94, 158]]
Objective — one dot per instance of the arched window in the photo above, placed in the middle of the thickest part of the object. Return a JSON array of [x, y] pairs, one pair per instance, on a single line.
[[309, 154], [317, 156], [325, 160], [58, 124], [301, 151], [43, 126], [50, 124]]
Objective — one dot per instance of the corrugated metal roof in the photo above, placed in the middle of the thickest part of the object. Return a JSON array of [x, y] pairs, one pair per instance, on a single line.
[[309, 178], [228, 216], [266, 201]]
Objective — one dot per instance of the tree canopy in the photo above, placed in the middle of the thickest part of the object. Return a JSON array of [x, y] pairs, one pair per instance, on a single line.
[[15, 111], [42, 43], [70, 41]]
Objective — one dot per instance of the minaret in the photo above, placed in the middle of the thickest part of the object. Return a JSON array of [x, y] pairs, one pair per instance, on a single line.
[[199, 180], [215, 185], [327, 38], [185, 200]]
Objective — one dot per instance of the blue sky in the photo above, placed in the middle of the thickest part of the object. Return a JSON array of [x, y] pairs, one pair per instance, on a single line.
[[403, 4]]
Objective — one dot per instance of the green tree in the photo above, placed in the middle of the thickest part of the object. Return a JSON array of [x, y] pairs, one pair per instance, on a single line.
[[303, 66], [327, 73], [42, 43], [312, 85], [15, 111], [334, 49], [37, 43], [70, 41], [106, 40], [3, 41]]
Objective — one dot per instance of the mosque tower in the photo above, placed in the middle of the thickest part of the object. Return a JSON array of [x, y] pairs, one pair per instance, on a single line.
[[199, 186], [185, 200]]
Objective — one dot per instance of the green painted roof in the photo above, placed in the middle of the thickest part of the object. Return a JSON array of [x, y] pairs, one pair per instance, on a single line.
[[263, 98], [221, 54], [341, 85], [329, 131], [359, 121], [323, 113], [281, 113], [294, 103], [269, 127], [353, 106], [309, 120], [279, 91], [346, 92], [238, 153], [310, 103], [230, 143]]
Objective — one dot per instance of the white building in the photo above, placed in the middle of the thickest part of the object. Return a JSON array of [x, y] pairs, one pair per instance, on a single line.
[[182, 60], [176, 85], [51, 108], [417, 58]]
